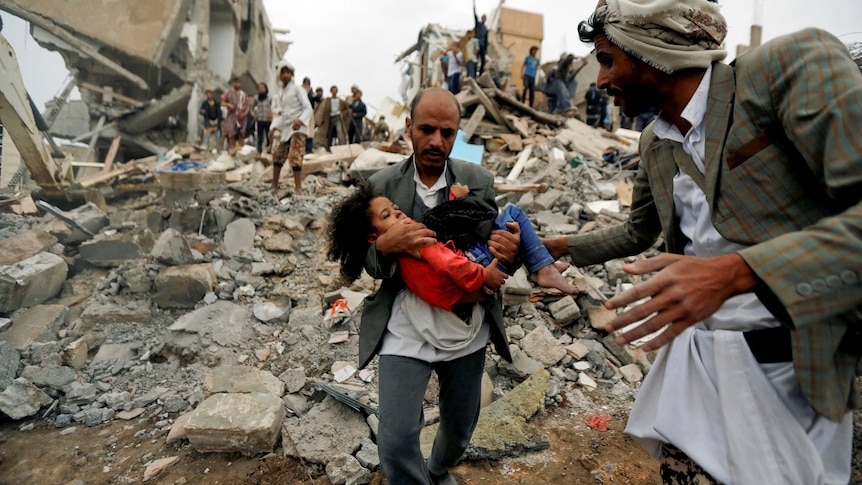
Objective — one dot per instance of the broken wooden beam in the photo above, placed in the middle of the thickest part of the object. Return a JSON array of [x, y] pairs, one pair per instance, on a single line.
[[112, 154], [489, 105], [520, 188], [121, 97], [475, 118], [519, 165], [102, 177], [545, 118]]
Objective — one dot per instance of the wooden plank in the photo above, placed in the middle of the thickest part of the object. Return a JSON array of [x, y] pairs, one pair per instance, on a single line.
[[86, 164], [489, 105], [520, 125], [114, 94], [520, 188], [545, 118], [519, 165], [514, 142], [475, 118], [99, 178], [96, 197], [112, 154]]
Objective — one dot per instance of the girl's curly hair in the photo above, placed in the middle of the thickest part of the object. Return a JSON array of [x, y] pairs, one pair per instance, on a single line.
[[349, 228]]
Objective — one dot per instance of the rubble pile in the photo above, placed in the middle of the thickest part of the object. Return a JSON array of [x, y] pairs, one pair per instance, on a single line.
[[205, 310]]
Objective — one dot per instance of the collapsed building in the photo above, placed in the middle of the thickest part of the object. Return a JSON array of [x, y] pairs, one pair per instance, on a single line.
[[142, 66]]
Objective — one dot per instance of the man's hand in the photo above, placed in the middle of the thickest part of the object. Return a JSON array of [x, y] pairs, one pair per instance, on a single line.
[[558, 246], [494, 278], [459, 190], [405, 237], [504, 245], [685, 291], [297, 125]]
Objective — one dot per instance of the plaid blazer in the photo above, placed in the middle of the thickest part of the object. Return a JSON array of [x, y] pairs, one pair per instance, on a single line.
[[783, 176], [397, 183]]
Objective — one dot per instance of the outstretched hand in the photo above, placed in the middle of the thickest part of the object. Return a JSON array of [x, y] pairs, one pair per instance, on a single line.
[[405, 237], [504, 244], [685, 291]]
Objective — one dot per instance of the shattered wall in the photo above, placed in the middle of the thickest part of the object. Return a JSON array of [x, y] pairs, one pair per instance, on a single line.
[[520, 30], [143, 65]]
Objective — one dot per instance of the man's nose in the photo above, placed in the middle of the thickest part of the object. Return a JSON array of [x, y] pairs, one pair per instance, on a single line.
[[603, 80], [436, 139]]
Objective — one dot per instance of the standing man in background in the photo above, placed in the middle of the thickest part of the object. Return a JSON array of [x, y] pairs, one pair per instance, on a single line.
[[471, 55], [456, 57], [238, 107], [480, 30], [261, 108], [528, 74], [292, 117], [357, 116]]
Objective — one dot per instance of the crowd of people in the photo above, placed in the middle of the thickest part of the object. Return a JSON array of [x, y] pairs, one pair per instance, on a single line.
[[235, 118], [751, 172]]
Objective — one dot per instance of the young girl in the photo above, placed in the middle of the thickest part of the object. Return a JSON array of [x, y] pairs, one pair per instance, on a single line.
[[444, 274]]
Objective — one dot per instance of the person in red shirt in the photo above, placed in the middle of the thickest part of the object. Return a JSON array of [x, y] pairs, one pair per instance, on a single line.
[[440, 274]]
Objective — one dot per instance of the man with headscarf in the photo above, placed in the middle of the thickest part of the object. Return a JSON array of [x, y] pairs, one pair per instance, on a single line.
[[753, 174], [238, 106]]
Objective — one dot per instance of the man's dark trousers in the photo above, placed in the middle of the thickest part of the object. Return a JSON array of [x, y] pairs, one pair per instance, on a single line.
[[403, 382]]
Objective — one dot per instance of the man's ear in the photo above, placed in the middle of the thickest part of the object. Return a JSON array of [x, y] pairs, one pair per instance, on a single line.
[[408, 123]]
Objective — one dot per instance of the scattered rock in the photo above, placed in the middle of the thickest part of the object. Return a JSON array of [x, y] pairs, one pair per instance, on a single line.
[[172, 248], [345, 469], [31, 281], [157, 466], [184, 286], [330, 428], [247, 423], [21, 399], [242, 378]]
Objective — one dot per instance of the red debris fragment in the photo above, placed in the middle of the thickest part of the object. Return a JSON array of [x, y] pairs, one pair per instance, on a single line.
[[599, 423]]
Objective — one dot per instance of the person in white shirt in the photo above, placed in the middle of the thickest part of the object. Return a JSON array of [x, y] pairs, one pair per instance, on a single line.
[[456, 58], [291, 113]]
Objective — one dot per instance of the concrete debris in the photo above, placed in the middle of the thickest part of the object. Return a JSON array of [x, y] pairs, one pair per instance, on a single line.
[[345, 469], [248, 423], [157, 466], [368, 455], [36, 324], [184, 286], [503, 429], [31, 281], [9, 359], [328, 429], [25, 245], [172, 248], [543, 347], [242, 378], [21, 399]]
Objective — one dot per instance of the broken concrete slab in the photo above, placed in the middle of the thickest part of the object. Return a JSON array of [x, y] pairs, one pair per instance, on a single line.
[[503, 430], [248, 423], [522, 365], [328, 429], [178, 428], [368, 455], [267, 311], [112, 250], [239, 237], [279, 242], [36, 324], [156, 467], [223, 324], [577, 350], [541, 345], [117, 352], [9, 360], [632, 373], [294, 379], [173, 249], [627, 354], [88, 216], [21, 399], [184, 286], [344, 469], [74, 355], [25, 245], [242, 378], [52, 376], [106, 314], [31, 281], [599, 316], [565, 310]]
